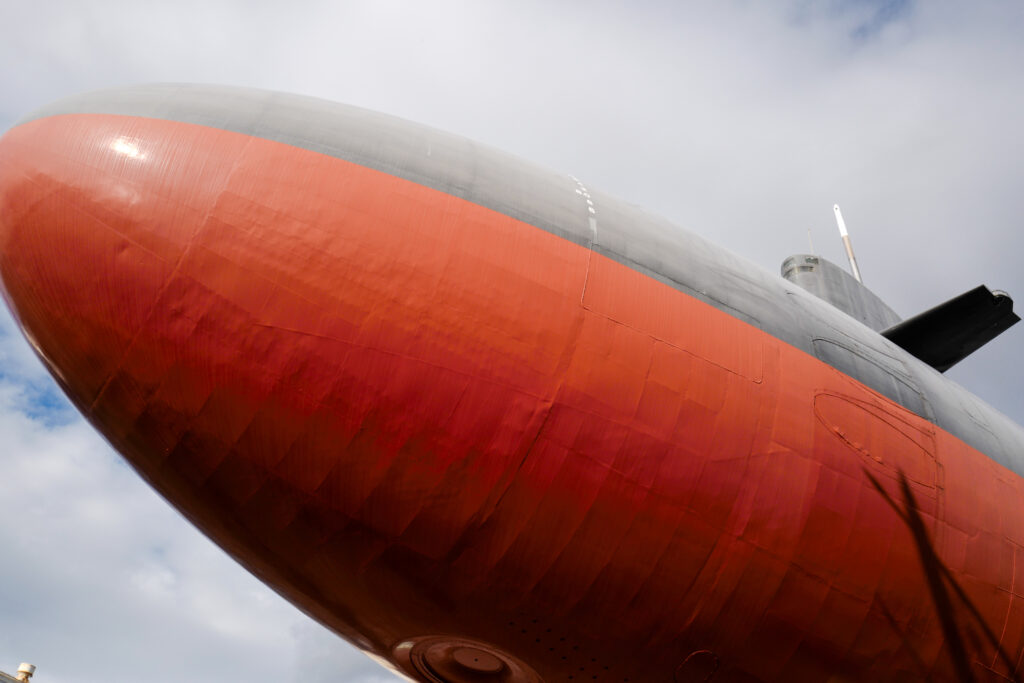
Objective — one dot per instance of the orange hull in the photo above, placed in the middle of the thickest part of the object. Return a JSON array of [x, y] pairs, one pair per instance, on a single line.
[[417, 417]]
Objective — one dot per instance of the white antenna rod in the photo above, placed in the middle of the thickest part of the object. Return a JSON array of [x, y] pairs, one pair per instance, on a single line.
[[846, 243]]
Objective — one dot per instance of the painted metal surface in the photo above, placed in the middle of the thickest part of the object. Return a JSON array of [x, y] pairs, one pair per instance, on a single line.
[[946, 334], [556, 204], [831, 283], [25, 672], [490, 424]]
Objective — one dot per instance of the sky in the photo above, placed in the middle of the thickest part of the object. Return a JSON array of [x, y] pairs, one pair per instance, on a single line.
[[742, 121]]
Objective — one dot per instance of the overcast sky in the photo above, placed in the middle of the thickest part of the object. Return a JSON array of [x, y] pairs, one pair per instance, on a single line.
[[742, 121]]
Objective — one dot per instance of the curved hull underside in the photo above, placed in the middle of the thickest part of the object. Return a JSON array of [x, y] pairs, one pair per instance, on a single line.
[[439, 429]]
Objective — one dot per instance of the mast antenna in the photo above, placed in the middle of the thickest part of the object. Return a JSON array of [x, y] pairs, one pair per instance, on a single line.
[[846, 243]]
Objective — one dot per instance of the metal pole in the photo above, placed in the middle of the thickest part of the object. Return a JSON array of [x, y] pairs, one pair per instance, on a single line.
[[846, 243]]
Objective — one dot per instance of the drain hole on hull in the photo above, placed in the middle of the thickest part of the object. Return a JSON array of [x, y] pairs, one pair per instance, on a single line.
[[450, 659]]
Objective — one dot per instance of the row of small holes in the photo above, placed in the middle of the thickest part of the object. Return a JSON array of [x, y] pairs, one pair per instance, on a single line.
[[565, 658]]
